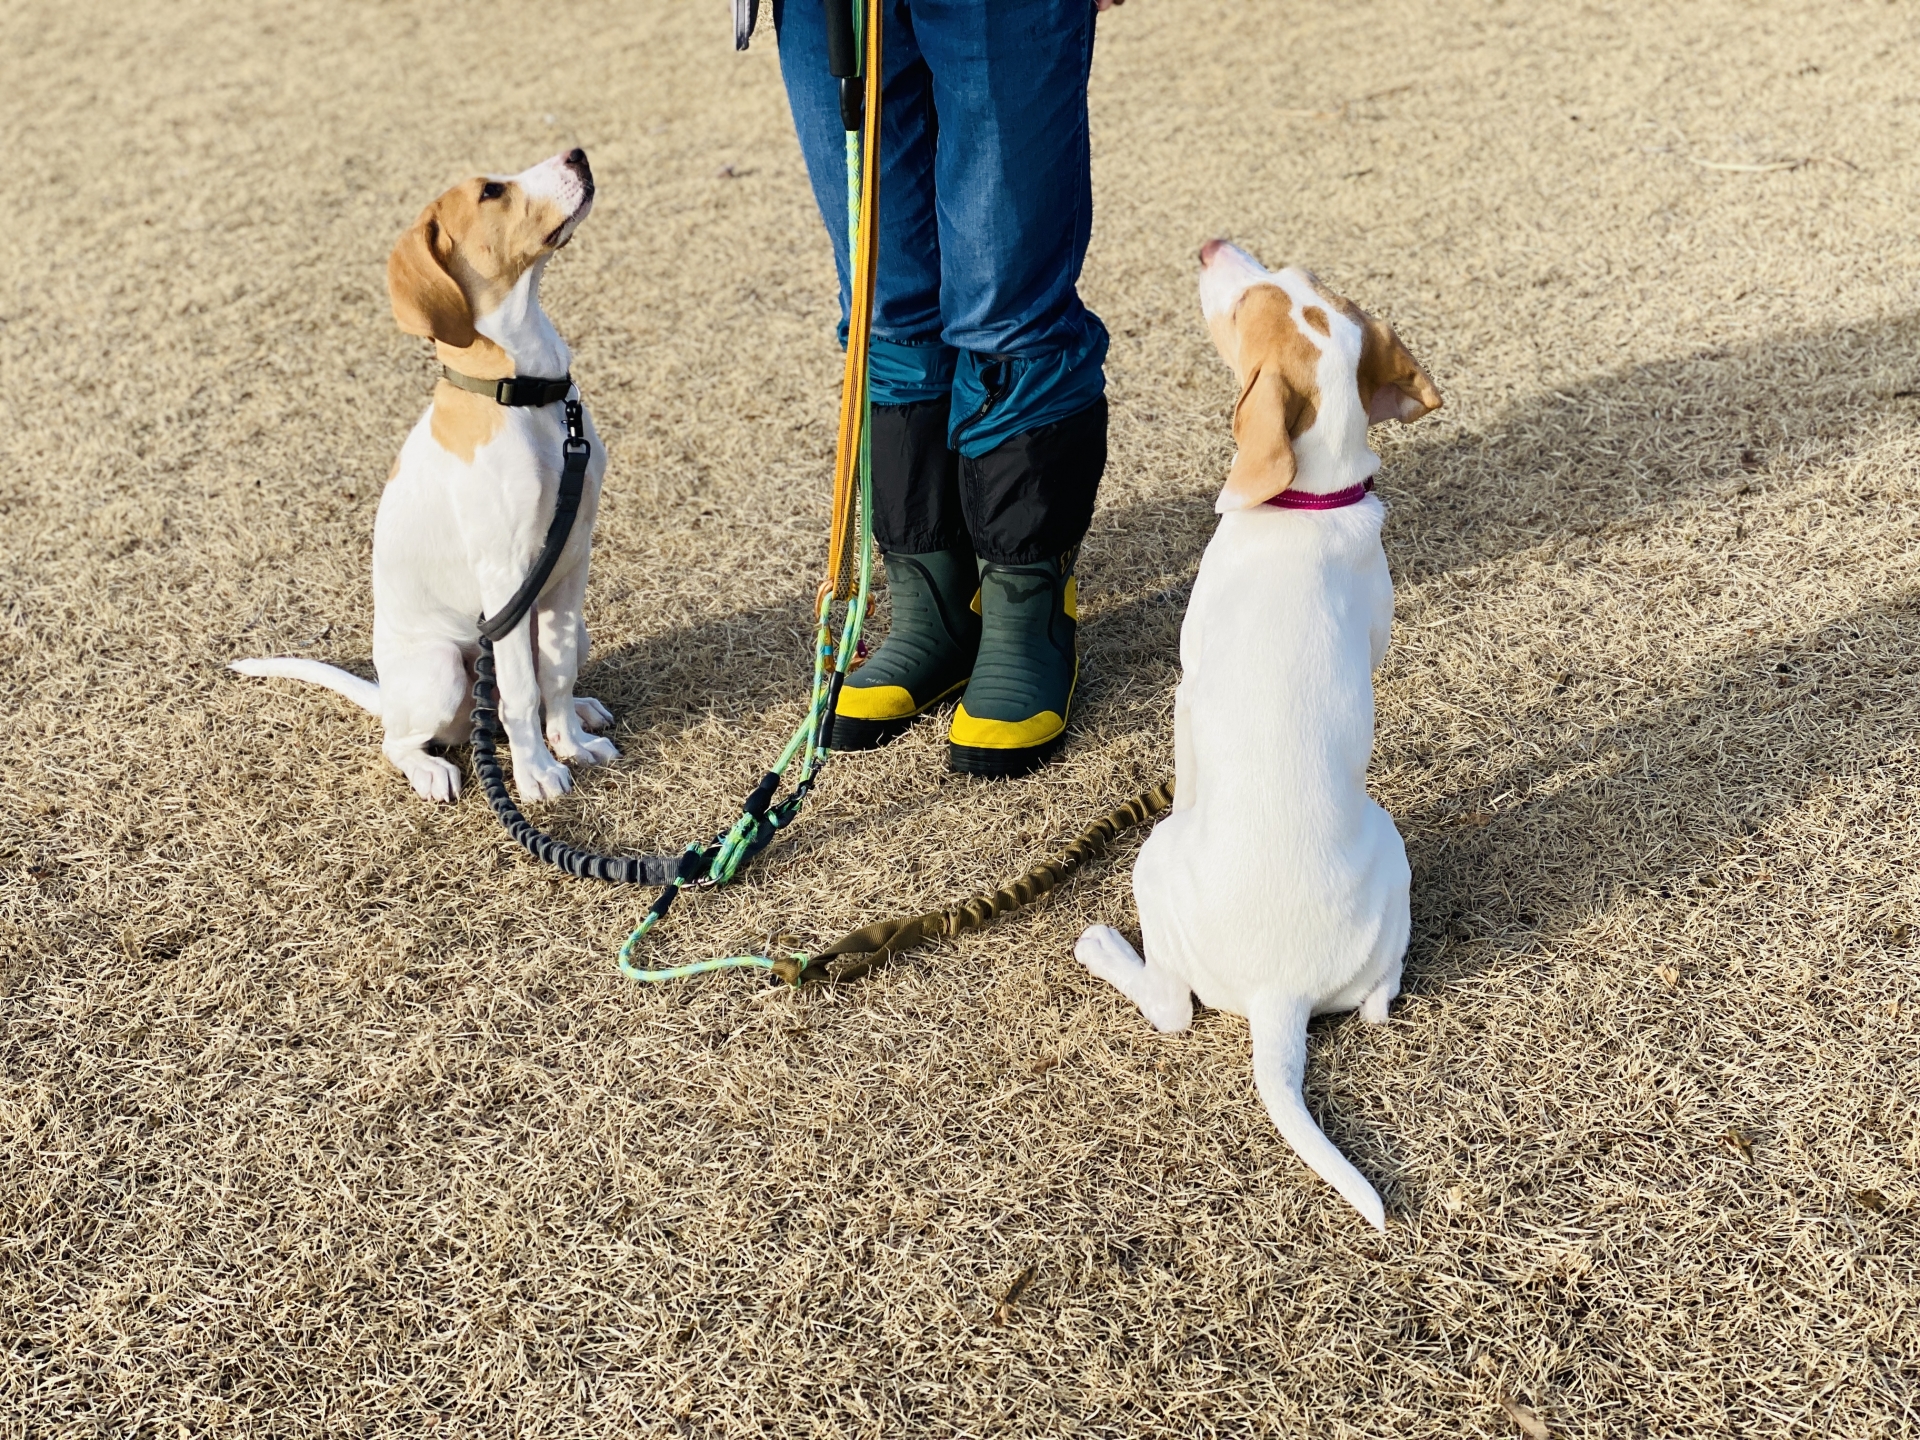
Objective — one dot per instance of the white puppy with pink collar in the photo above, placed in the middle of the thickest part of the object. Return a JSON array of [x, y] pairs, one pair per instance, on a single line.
[[1276, 888]]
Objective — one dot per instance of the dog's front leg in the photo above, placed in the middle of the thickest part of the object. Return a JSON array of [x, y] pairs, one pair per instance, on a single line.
[[561, 643], [536, 774]]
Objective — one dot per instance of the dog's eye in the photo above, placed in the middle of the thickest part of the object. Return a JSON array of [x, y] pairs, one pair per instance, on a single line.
[[492, 190]]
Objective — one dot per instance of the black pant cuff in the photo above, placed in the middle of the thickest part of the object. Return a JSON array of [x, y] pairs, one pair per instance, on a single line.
[[1030, 498], [922, 542], [916, 480]]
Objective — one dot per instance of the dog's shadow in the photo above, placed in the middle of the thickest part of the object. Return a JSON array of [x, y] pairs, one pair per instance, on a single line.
[[1621, 450]]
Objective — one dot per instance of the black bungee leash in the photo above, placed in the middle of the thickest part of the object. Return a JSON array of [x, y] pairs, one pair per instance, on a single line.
[[522, 391]]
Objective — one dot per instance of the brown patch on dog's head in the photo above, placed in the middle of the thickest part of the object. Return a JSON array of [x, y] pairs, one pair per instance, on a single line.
[[467, 250], [1279, 395], [1276, 358], [1392, 384]]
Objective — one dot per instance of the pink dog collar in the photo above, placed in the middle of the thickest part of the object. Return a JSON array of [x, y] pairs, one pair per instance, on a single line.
[[1333, 500]]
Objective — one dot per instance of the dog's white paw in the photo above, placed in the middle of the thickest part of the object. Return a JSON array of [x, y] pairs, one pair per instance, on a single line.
[[580, 748], [1105, 951], [1373, 1009], [540, 777], [1164, 1000], [435, 779], [600, 752], [591, 713]]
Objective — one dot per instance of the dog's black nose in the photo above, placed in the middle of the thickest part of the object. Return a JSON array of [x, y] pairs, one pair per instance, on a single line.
[[577, 157]]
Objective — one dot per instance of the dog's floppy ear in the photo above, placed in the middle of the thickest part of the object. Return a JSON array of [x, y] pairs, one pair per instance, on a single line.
[[1392, 384], [426, 299], [1264, 465]]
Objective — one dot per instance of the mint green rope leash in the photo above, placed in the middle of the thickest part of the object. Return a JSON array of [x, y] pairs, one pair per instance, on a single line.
[[734, 846]]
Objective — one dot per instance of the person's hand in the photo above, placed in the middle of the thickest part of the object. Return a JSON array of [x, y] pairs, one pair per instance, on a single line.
[[1102, 6]]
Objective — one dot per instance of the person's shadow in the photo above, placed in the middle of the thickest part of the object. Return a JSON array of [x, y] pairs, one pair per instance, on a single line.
[[1653, 798]]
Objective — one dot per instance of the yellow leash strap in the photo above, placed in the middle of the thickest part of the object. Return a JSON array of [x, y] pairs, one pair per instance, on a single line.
[[864, 241]]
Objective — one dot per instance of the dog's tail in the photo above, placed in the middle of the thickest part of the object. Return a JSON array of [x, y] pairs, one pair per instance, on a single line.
[[363, 693], [1279, 1024]]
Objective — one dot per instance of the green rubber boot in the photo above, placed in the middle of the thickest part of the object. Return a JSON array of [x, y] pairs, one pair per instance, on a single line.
[[927, 655], [1014, 714]]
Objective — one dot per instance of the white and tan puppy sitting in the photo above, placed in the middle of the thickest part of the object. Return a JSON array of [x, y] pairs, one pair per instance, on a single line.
[[466, 512], [1276, 888]]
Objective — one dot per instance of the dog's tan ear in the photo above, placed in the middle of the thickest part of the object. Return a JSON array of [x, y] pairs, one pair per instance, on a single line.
[[1392, 384], [426, 299], [1264, 465]]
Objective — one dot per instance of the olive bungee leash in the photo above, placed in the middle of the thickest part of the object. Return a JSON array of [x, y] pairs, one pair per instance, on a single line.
[[853, 51]]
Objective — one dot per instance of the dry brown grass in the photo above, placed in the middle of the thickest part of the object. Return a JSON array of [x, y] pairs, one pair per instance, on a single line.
[[323, 1112]]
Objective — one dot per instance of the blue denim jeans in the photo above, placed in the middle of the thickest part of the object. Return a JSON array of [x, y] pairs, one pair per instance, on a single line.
[[986, 203]]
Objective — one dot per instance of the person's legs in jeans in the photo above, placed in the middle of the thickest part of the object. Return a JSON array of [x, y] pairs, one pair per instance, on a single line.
[[918, 522], [980, 341], [1013, 193]]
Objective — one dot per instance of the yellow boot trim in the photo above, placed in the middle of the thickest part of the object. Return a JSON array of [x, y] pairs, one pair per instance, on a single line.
[[1002, 734], [875, 702], [887, 702]]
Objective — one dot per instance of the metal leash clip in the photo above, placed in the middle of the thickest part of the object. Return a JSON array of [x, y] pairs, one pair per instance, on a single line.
[[745, 14]]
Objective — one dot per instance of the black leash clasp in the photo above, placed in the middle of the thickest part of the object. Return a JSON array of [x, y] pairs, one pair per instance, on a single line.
[[575, 450]]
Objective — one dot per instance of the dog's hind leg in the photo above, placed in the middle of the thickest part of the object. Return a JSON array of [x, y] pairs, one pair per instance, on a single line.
[[1162, 998], [1396, 924], [1373, 1009], [593, 715], [423, 699], [1279, 1025]]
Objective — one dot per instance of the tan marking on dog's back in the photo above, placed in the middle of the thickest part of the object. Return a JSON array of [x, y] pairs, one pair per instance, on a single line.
[[464, 421], [483, 359], [1317, 318]]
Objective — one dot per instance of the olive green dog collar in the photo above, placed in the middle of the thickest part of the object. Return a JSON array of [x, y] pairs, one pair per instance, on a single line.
[[519, 390]]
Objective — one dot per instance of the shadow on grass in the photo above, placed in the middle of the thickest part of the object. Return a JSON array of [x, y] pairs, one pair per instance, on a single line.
[[1622, 449], [1650, 803]]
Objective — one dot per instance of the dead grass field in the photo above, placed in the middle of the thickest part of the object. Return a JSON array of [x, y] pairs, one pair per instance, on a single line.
[[323, 1112]]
